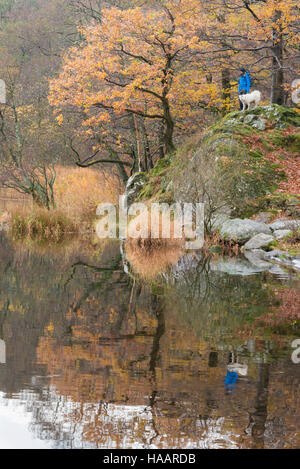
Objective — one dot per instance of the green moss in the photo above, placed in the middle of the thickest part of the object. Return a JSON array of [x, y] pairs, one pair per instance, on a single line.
[[273, 244], [156, 183], [161, 167]]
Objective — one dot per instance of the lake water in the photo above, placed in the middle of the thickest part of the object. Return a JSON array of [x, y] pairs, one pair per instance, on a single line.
[[112, 346]]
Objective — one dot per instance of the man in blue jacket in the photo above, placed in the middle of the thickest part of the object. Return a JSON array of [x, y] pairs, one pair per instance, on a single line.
[[244, 84]]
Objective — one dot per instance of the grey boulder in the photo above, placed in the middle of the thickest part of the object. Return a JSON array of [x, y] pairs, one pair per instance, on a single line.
[[259, 241], [284, 224], [281, 234], [242, 230], [219, 220]]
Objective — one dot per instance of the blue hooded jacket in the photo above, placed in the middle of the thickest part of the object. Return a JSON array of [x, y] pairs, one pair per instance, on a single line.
[[244, 83]]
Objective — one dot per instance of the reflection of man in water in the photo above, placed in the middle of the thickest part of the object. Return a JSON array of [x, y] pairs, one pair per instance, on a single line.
[[230, 380], [232, 375]]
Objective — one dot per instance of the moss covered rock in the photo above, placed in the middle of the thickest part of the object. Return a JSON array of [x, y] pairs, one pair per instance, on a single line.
[[135, 185], [229, 164], [277, 116]]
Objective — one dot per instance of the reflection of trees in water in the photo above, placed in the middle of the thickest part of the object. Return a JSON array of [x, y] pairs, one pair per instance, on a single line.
[[125, 358], [213, 303], [258, 418]]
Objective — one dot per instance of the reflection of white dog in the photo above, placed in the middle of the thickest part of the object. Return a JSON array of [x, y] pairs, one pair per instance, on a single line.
[[240, 369], [250, 98]]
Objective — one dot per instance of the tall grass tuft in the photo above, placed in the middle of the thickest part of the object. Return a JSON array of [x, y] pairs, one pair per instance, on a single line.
[[78, 191], [42, 224]]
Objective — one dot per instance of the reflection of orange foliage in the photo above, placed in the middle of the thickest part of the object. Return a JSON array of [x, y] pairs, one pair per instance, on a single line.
[[90, 370], [112, 388], [98, 361], [149, 257]]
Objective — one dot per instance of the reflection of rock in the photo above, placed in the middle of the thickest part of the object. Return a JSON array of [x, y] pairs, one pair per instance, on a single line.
[[283, 258], [237, 266], [256, 257]]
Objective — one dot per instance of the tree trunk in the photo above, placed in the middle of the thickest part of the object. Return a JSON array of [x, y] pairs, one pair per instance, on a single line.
[[277, 91], [226, 84], [138, 145], [161, 140], [169, 128], [134, 145], [259, 417], [114, 156], [147, 153]]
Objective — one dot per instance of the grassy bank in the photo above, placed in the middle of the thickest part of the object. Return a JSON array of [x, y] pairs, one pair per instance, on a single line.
[[77, 193]]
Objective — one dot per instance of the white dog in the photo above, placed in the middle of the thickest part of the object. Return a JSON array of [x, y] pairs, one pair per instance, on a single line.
[[248, 99]]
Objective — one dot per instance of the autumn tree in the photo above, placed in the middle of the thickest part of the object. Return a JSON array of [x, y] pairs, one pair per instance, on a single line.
[[139, 63]]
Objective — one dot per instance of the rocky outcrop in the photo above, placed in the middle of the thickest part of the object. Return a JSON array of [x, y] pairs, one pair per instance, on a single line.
[[257, 238], [280, 117]]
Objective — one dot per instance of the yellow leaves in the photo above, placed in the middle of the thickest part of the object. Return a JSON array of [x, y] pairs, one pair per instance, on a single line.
[[25, 110], [49, 329], [60, 119]]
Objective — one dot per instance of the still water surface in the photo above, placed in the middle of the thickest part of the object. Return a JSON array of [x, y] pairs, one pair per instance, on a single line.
[[99, 350]]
